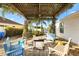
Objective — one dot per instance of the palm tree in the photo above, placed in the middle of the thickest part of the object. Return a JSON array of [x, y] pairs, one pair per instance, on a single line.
[[39, 23], [42, 23]]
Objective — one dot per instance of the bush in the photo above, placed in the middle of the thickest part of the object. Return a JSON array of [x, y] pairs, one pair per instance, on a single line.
[[10, 31]]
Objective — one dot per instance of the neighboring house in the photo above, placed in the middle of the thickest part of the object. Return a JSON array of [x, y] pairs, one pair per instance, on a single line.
[[68, 27], [6, 22]]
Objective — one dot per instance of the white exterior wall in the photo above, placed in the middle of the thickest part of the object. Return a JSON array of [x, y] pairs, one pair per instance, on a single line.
[[71, 27]]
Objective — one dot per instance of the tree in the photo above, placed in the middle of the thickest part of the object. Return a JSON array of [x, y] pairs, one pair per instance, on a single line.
[[8, 8], [41, 23]]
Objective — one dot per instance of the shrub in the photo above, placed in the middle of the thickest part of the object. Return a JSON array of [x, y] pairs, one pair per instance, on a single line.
[[10, 31]]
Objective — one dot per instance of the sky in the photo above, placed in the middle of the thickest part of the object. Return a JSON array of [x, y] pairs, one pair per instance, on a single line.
[[20, 19], [74, 9], [14, 17]]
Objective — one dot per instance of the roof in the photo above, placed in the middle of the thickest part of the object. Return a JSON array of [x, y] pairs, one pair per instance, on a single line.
[[4, 20], [39, 11], [73, 15], [42, 10]]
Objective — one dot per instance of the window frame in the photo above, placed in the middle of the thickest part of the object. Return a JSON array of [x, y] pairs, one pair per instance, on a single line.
[[61, 27]]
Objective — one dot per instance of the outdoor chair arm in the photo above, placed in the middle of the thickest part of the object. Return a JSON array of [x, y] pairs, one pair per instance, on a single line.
[[15, 52], [11, 51]]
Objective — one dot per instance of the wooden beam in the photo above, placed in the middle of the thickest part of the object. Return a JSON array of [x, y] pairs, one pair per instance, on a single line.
[[63, 8]]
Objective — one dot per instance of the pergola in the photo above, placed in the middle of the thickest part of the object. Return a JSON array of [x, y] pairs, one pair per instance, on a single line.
[[41, 11]]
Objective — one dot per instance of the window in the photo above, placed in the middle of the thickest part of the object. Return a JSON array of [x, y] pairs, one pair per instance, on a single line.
[[61, 28]]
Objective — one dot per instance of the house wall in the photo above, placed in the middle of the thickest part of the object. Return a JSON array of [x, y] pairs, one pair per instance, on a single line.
[[71, 27], [11, 25]]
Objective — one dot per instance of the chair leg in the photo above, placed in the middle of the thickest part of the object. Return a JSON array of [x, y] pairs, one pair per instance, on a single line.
[[49, 52]]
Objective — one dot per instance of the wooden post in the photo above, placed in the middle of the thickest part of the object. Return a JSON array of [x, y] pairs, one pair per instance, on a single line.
[[53, 25], [25, 30]]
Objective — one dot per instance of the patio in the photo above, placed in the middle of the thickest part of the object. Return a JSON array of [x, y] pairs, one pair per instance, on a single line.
[[73, 50], [40, 12]]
